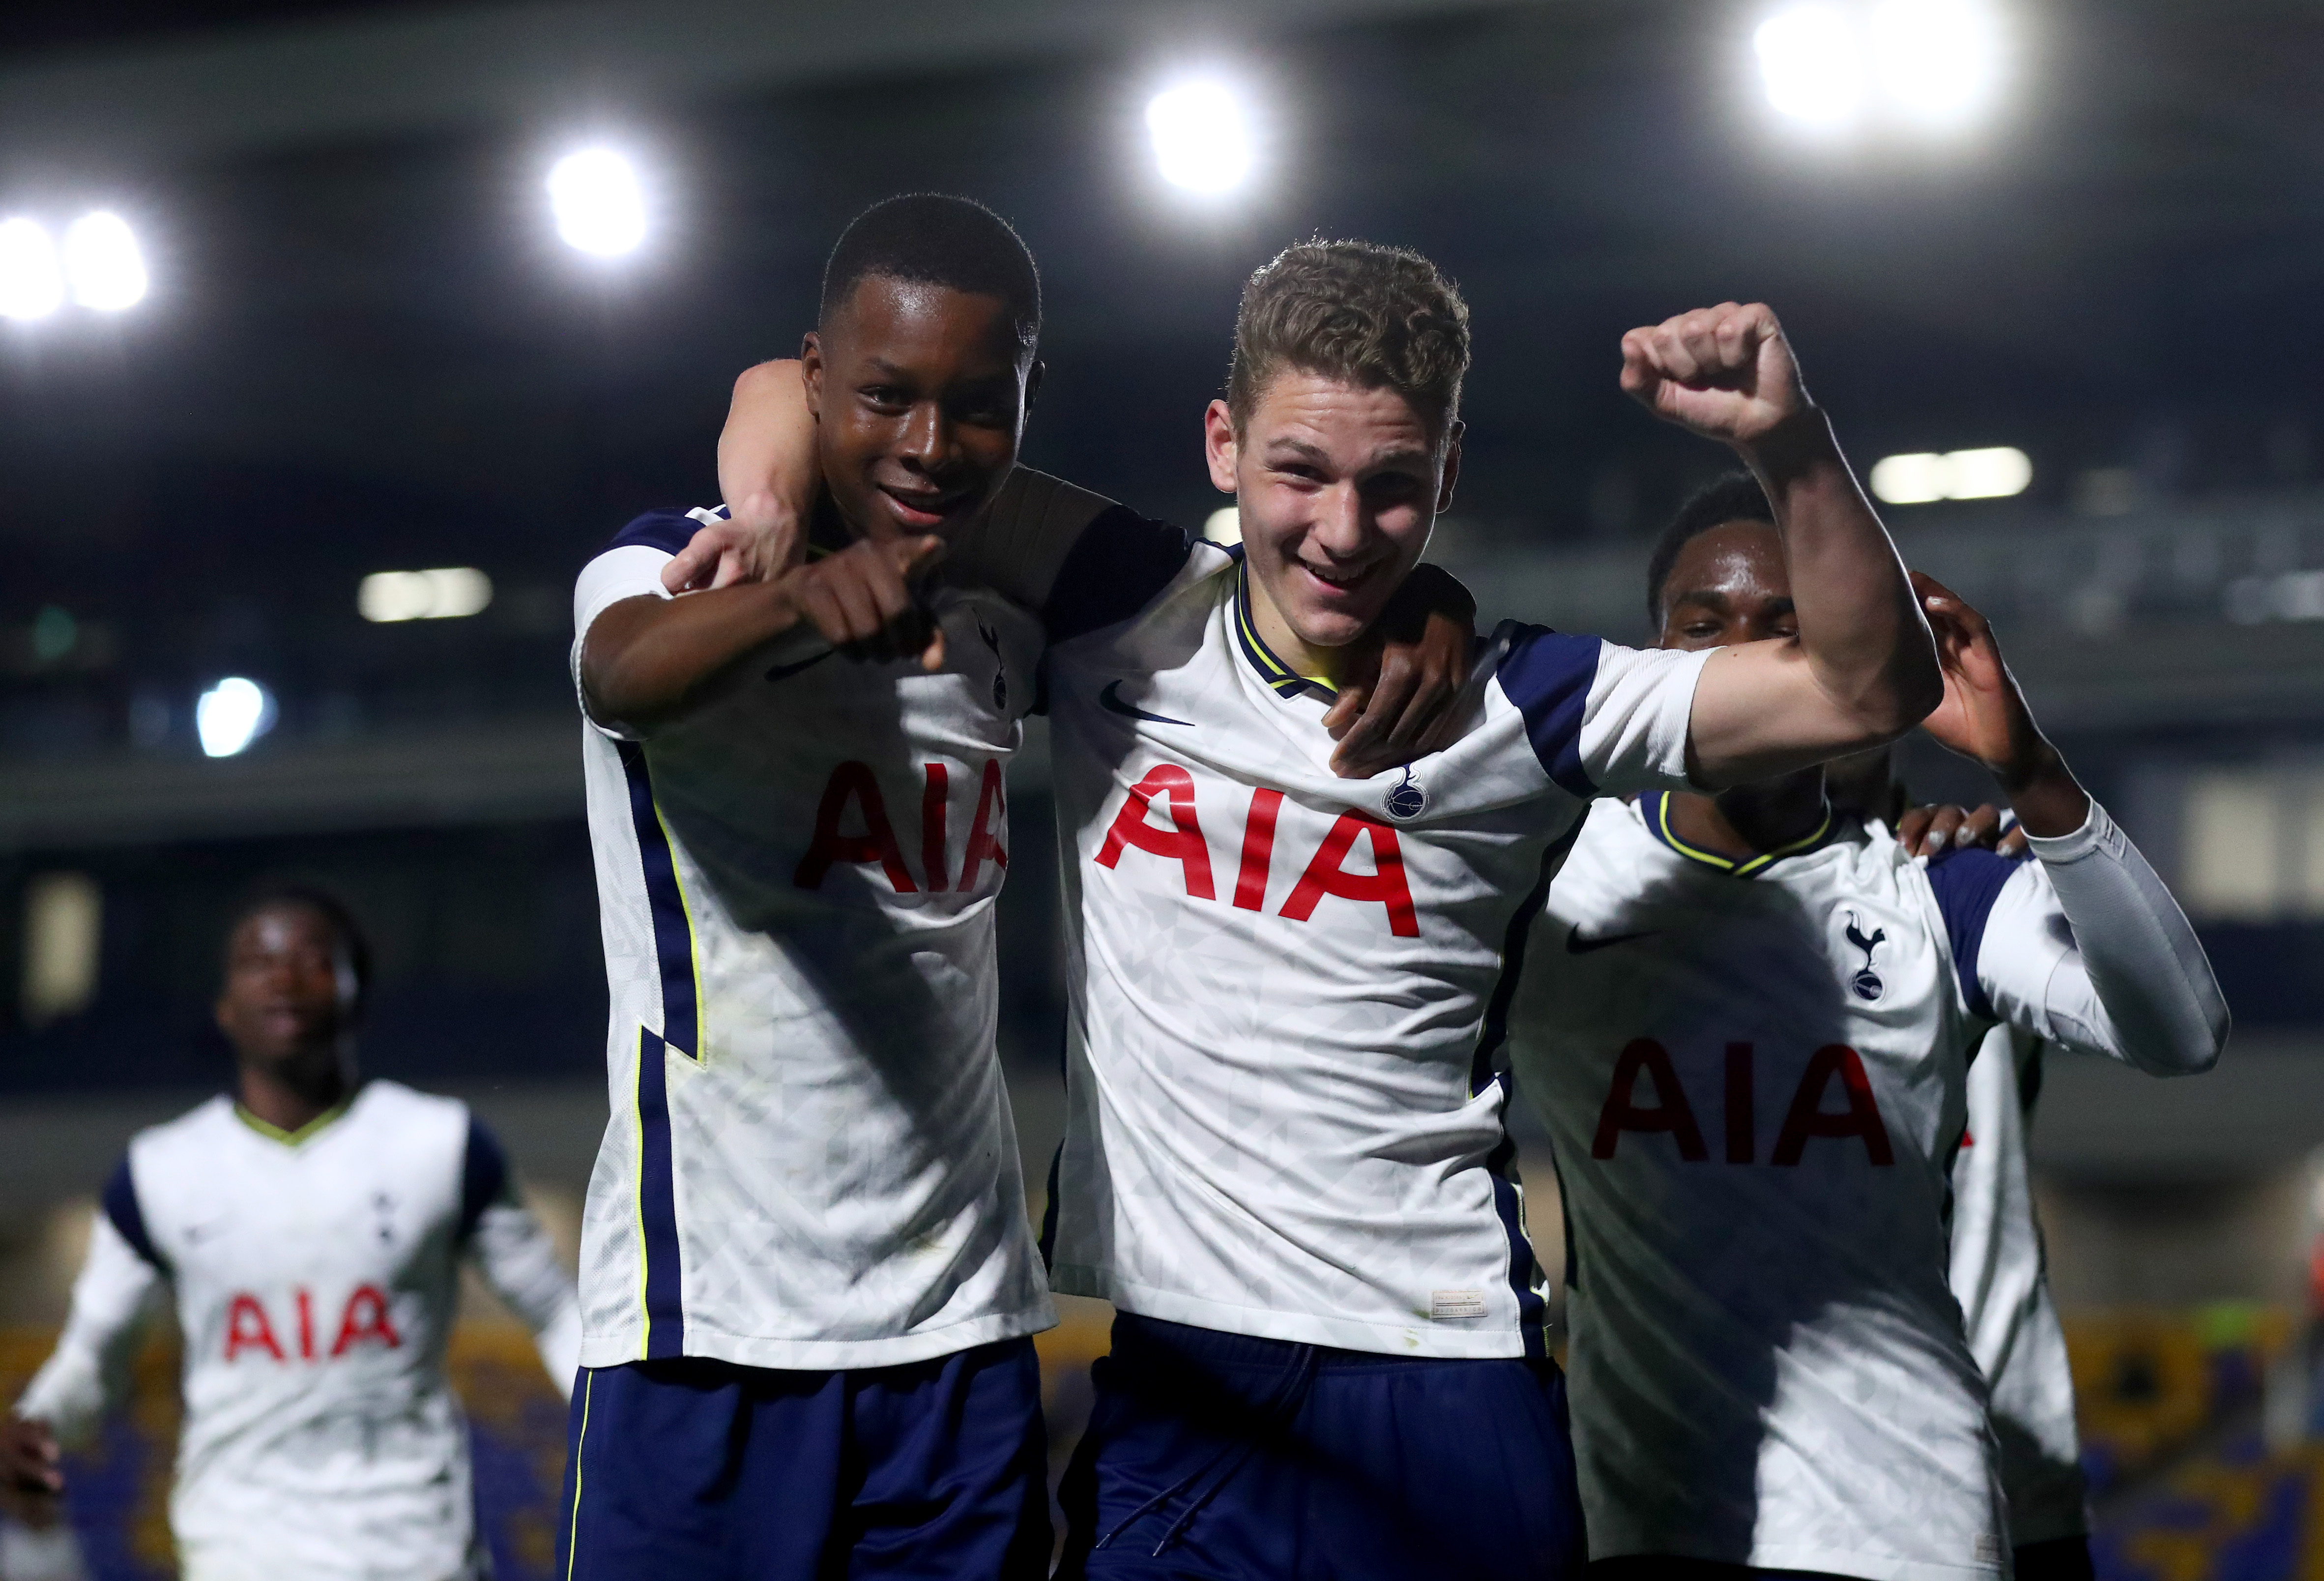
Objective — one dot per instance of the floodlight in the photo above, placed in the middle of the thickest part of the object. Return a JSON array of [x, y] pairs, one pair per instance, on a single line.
[[448, 592], [1909, 480], [232, 715], [1994, 473], [102, 263], [1223, 525], [31, 286], [599, 206], [1936, 61], [1202, 136], [1812, 60], [1987, 474]]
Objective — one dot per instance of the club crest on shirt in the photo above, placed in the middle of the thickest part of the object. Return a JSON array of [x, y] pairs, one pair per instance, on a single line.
[[1408, 800], [1866, 983], [1000, 666]]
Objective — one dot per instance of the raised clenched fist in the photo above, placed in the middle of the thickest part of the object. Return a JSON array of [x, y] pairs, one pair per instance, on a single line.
[[1727, 372]]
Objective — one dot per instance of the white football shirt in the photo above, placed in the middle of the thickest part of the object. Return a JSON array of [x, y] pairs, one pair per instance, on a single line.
[[316, 1280], [1999, 1278], [811, 1161], [1753, 1074], [1283, 1117]]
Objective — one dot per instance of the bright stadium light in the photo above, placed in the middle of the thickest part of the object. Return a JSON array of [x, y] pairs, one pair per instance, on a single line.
[[1202, 136], [1996, 472], [31, 285], [448, 592], [1223, 525], [598, 203], [1936, 61], [1812, 60], [232, 715], [103, 263]]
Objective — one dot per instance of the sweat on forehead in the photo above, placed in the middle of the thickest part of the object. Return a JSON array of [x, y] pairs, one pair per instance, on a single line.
[[1725, 560]]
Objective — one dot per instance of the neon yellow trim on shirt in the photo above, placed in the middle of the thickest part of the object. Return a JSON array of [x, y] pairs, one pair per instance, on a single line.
[[300, 1137], [638, 1191], [580, 1442], [1660, 822]]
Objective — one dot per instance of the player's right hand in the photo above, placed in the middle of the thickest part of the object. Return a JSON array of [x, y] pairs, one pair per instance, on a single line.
[[865, 599], [762, 539], [32, 1463]]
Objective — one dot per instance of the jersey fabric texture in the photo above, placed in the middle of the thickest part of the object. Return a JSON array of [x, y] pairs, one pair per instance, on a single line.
[[316, 1279], [1234, 1457], [811, 1161], [1753, 1076], [1283, 1115], [1999, 1278], [692, 1470]]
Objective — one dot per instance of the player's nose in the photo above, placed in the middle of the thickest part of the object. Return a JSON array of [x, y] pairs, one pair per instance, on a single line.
[[927, 437]]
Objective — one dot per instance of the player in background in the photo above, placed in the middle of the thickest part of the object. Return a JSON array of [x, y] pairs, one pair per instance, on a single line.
[[1284, 1160], [808, 1280], [1747, 1022], [310, 1230]]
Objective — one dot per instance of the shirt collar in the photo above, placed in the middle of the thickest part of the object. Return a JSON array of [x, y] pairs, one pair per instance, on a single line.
[[1654, 805], [1284, 680]]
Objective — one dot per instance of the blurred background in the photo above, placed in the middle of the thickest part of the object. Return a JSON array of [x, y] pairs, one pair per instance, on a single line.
[[336, 335]]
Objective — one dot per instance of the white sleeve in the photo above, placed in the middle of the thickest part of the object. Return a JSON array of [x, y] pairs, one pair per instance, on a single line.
[[629, 571], [2086, 948], [1603, 719], [514, 1254], [87, 1373]]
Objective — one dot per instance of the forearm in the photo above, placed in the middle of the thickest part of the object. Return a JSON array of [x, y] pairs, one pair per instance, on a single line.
[[768, 444], [646, 659], [2115, 968], [85, 1375], [1867, 644]]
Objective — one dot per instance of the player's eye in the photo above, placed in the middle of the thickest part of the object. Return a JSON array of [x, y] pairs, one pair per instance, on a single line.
[[885, 397]]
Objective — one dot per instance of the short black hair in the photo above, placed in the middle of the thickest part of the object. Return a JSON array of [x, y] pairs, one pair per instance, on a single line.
[[941, 240], [1732, 496], [273, 894]]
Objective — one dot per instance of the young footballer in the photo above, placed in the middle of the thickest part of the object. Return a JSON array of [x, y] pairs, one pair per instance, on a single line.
[[1284, 1160], [1746, 1020], [808, 1278], [309, 1230]]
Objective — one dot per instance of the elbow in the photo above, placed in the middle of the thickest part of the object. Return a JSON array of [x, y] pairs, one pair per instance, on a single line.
[[2194, 1051], [1915, 686]]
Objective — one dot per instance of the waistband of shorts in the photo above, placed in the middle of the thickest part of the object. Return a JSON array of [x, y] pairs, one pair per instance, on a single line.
[[1138, 1336]]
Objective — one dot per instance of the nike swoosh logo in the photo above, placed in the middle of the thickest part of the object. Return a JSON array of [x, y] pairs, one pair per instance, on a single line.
[[1577, 945], [1110, 699], [785, 671]]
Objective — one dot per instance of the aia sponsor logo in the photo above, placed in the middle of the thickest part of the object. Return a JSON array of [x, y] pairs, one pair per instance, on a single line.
[[365, 1319], [1645, 1096], [851, 829]]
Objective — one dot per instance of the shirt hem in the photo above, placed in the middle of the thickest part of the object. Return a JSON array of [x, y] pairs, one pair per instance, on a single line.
[[1431, 1340], [831, 1355], [1826, 1561]]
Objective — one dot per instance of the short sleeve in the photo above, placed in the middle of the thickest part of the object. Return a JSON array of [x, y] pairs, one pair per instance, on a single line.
[[1967, 884], [630, 567], [484, 1176], [1604, 720], [127, 1217]]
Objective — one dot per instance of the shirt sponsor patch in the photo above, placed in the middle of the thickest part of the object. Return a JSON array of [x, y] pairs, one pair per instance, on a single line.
[[1443, 1304]]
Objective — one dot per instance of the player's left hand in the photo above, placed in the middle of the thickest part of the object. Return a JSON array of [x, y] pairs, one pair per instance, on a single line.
[[1407, 702], [1929, 831], [1983, 715], [761, 541], [1725, 373]]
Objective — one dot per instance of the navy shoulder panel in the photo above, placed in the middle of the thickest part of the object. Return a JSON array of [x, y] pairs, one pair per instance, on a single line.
[[1966, 882], [1115, 567], [667, 529], [1547, 675], [128, 1219], [484, 1176]]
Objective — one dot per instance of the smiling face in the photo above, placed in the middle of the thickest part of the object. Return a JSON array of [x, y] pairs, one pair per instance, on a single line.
[[1337, 486], [919, 393], [1728, 585], [290, 989]]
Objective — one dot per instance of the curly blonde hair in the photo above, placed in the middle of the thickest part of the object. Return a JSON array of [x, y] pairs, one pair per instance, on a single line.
[[1356, 311]]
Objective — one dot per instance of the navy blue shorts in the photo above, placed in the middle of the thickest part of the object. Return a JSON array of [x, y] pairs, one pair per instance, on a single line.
[[693, 1470], [1229, 1458]]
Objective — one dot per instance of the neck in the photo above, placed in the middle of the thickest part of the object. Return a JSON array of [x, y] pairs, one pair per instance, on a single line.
[[1323, 665], [293, 1093], [1751, 818]]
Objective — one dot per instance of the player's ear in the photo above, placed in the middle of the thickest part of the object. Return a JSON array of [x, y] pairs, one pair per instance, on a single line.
[[811, 372], [1219, 446], [1452, 467]]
